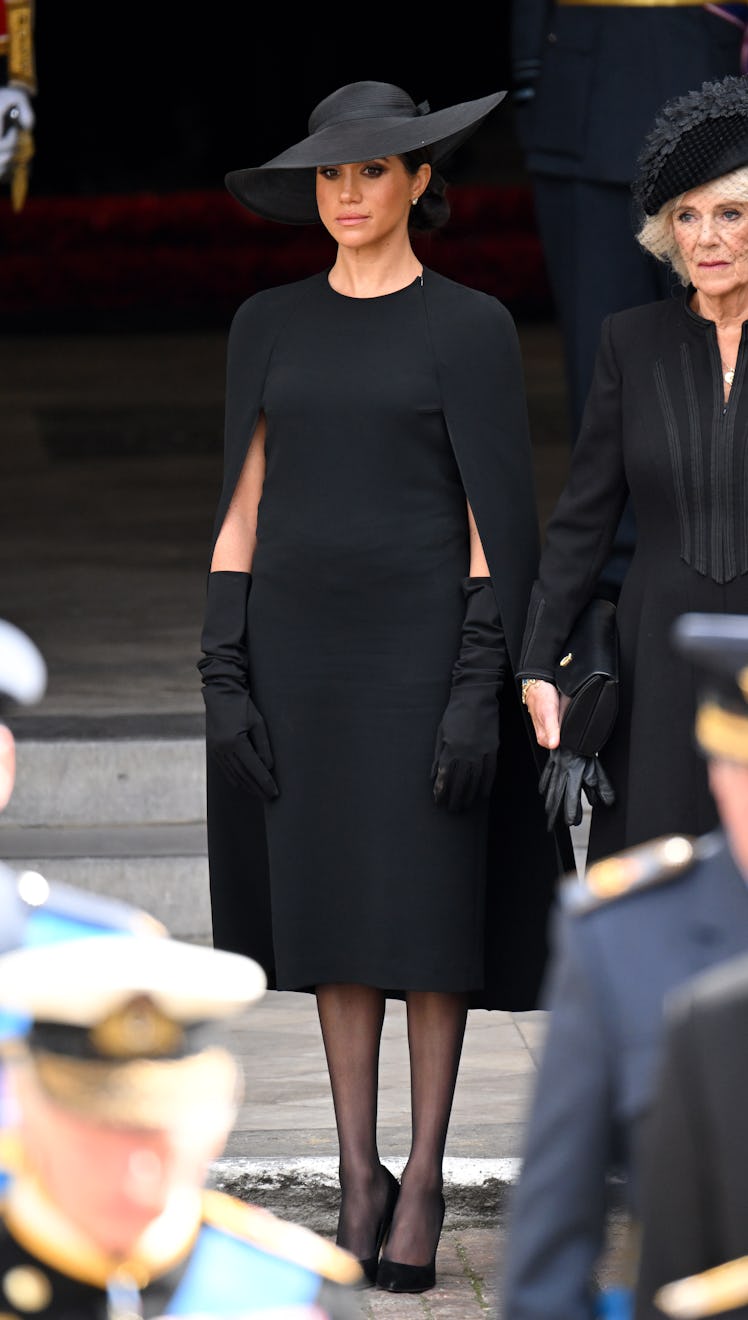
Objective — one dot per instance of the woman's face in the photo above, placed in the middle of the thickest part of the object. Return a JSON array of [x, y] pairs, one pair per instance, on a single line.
[[711, 230], [369, 201]]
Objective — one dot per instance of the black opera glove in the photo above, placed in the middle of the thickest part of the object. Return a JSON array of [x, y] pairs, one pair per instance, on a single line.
[[467, 741], [565, 775], [235, 732]]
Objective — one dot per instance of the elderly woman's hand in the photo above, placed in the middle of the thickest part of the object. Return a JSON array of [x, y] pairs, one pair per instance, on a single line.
[[543, 704]]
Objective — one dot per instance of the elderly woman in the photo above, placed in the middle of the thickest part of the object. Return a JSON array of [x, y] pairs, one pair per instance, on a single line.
[[666, 420]]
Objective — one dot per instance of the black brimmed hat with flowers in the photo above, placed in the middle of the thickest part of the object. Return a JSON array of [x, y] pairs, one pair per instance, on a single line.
[[695, 139]]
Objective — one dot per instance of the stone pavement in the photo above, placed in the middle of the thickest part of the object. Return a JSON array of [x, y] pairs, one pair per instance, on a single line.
[[469, 1275]]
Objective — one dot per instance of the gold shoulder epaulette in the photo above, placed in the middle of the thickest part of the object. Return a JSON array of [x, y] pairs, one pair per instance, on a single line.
[[633, 869], [281, 1237], [722, 1288], [11, 1151]]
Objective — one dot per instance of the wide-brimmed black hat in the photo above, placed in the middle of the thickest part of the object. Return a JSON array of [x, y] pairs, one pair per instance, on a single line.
[[360, 121], [695, 138]]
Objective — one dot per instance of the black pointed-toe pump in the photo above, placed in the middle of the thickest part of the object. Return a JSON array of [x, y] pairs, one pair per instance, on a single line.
[[371, 1263], [395, 1277]]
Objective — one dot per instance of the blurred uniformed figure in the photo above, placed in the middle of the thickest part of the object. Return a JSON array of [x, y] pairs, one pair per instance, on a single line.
[[125, 1091], [694, 1202], [17, 90], [23, 680], [694, 1191], [589, 78], [639, 924], [33, 910]]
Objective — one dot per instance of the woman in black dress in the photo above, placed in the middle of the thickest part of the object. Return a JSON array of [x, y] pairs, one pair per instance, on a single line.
[[667, 421], [372, 813]]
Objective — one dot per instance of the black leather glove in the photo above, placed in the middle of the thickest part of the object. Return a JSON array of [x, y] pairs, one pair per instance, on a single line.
[[467, 741], [565, 775], [235, 731]]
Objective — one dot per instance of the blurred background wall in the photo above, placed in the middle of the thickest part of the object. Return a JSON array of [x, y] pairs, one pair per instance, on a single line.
[[141, 112]]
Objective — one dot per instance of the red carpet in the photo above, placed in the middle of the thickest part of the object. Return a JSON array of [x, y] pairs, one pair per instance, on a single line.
[[186, 260]]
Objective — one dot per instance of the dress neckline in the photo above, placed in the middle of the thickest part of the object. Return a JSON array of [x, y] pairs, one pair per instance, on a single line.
[[378, 297]]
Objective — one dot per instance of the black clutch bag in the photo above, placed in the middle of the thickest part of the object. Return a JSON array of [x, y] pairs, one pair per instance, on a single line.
[[587, 674]]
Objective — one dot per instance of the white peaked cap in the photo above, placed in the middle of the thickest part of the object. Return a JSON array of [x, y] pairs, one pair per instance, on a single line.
[[79, 982], [23, 673]]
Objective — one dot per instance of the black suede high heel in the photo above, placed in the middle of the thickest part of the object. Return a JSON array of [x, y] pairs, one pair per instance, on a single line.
[[397, 1278], [371, 1263]]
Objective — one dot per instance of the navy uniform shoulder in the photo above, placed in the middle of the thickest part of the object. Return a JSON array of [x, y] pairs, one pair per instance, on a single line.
[[637, 870], [715, 989], [280, 1237]]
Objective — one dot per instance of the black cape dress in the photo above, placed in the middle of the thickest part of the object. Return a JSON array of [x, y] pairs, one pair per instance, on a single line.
[[381, 414], [656, 424]]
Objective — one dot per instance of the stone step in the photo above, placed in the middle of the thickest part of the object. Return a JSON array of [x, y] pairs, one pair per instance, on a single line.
[[160, 868], [117, 806], [120, 772]]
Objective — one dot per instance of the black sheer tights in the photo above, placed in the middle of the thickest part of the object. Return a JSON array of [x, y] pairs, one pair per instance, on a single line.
[[351, 1017]]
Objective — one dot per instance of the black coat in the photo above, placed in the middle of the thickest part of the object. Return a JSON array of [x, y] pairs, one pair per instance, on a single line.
[[694, 1206], [604, 72], [611, 970], [478, 362], [654, 426]]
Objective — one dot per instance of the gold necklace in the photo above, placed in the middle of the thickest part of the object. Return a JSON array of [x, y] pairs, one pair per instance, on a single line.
[[728, 373]]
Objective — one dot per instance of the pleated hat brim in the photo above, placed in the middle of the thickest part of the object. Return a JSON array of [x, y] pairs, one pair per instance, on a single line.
[[283, 188]]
